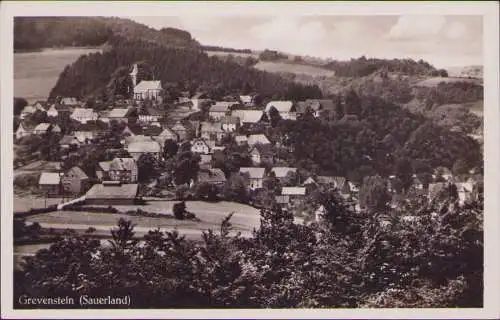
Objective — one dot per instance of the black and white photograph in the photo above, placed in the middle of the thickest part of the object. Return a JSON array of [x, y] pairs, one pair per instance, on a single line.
[[230, 156]]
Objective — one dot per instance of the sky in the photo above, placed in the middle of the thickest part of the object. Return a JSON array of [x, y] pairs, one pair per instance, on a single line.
[[442, 40]]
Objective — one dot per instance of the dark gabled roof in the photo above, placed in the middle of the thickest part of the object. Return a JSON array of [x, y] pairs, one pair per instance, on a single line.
[[92, 126], [152, 131]]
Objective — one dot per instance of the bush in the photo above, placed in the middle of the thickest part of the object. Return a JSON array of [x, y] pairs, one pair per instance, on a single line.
[[26, 181]]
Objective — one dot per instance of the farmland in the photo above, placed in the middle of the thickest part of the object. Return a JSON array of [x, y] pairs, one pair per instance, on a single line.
[[295, 68]]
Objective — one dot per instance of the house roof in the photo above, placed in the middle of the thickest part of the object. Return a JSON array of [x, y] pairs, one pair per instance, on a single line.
[[230, 120], [257, 138], [77, 172], [178, 127], [325, 180], [198, 95], [105, 165], [67, 139], [205, 158], [146, 85], [254, 173], [122, 164], [281, 106], [248, 116], [144, 147], [28, 109], [92, 126], [167, 132], [50, 178], [222, 106], [293, 191], [211, 176], [83, 113], [262, 149], [44, 104], [69, 101], [137, 138], [281, 172], [246, 99], [42, 127], [211, 127], [112, 191], [155, 112], [152, 131], [118, 113], [309, 180]]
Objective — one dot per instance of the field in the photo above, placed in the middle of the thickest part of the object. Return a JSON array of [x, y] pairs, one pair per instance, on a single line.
[[280, 67], [433, 82], [245, 218], [235, 54], [36, 73]]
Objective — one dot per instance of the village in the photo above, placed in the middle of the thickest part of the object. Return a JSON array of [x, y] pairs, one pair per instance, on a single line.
[[178, 152]]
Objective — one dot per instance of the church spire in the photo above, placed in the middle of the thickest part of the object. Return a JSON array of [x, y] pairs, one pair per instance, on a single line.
[[133, 75]]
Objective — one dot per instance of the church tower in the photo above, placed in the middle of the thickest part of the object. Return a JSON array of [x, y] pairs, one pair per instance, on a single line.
[[133, 75]]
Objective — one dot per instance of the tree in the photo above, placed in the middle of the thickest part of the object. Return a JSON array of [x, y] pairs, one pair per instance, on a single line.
[[460, 167], [373, 194], [236, 189], [147, 167], [170, 148], [179, 209], [19, 104], [206, 191], [404, 172], [274, 116]]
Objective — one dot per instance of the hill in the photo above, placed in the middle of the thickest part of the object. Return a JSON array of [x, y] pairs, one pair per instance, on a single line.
[[295, 68], [106, 73], [35, 33]]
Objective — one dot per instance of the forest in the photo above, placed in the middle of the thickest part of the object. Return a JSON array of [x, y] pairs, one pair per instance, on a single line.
[[106, 74], [367, 136], [34, 33], [362, 67], [347, 260]]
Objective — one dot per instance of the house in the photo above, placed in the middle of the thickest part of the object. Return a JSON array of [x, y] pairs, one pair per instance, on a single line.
[[465, 191], [255, 176], [56, 129], [220, 109], [123, 169], [241, 140], [247, 101], [212, 176], [111, 193], [59, 111], [42, 128], [50, 183], [211, 131], [282, 172], [91, 130], [320, 213], [202, 146], [151, 131], [206, 160], [167, 134], [443, 172], [313, 106], [291, 196], [69, 141], [248, 116], [70, 101], [22, 131], [148, 90], [254, 139], [181, 130], [83, 115], [286, 109], [119, 114], [262, 153], [75, 181], [102, 171], [197, 100], [150, 115], [230, 124], [37, 106], [137, 148]]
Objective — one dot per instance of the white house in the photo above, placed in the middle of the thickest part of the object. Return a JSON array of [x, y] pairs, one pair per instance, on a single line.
[[248, 116], [230, 124], [148, 90], [220, 109], [286, 109], [83, 115], [255, 175], [202, 146], [138, 148]]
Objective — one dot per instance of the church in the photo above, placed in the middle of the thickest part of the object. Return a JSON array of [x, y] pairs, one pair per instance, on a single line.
[[145, 89]]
